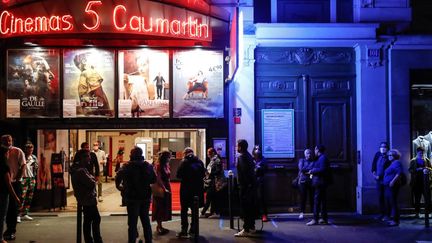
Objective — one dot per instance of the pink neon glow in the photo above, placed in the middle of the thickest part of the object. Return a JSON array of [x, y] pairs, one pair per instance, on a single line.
[[118, 7], [89, 11]]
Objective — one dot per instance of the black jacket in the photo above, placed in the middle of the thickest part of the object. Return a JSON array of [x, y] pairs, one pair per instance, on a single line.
[[84, 185], [93, 167], [191, 172], [134, 179], [375, 162], [321, 174], [246, 171]]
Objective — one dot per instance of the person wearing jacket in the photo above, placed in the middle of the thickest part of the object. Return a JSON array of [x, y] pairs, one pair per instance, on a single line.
[[419, 166], [305, 182], [246, 179], [133, 180], [379, 165], [84, 185], [321, 175], [261, 169], [28, 181], [191, 173], [214, 173]]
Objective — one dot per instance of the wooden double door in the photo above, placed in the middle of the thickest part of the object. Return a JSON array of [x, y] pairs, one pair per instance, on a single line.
[[319, 84]]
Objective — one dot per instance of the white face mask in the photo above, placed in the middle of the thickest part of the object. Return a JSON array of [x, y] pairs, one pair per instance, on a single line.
[[95, 148], [383, 150]]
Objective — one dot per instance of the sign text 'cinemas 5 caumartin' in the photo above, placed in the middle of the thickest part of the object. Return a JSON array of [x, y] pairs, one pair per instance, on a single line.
[[146, 18]]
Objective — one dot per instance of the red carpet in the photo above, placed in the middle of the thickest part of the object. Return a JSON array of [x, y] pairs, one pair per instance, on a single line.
[[175, 203]]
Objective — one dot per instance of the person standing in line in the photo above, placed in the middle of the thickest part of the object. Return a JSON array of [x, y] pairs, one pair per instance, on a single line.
[[29, 181], [17, 163], [134, 179], [213, 174], [161, 206], [419, 166], [191, 173], [320, 181], [93, 165], [305, 182], [391, 180], [159, 80], [84, 185], [261, 169], [101, 158], [247, 184], [6, 189], [379, 165]]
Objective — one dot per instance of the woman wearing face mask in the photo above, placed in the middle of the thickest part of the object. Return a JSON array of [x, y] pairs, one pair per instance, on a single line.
[[379, 165], [305, 182]]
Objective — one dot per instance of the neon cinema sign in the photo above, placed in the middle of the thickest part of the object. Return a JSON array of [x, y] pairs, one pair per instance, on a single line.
[[120, 21]]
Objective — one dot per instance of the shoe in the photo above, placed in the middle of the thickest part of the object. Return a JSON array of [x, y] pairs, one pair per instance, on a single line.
[[183, 235], [18, 219], [100, 199], [322, 221], [243, 233], [385, 219], [214, 216], [392, 223], [203, 216], [9, 237], [161, 230], [379, 217], [417, 216], [301, 216], [312, 222], [26, 217]]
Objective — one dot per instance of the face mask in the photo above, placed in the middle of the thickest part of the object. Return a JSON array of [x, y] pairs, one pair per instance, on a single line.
[[383, 150], [95, 147]]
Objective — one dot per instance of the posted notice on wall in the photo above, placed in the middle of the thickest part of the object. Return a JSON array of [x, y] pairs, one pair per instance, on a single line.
[[278, 133]]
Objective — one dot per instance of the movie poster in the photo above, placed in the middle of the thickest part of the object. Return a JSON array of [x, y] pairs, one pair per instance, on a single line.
[[89, 80], [144, 89], [198, 84], [32, 83]]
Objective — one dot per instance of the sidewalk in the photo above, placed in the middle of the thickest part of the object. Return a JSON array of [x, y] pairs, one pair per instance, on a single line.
[[282, 228]]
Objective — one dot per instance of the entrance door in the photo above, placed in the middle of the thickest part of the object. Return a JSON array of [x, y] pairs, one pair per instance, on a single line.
[[318, 83]]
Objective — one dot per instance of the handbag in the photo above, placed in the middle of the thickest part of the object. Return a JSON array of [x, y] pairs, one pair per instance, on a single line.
[[220, 183], [157, 190]]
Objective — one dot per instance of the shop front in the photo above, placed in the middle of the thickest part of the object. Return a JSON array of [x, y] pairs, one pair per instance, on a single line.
[[119, 73]]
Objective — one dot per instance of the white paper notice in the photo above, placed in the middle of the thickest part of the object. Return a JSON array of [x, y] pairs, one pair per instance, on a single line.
[[124, 108], [278, 133], [69, 108], [13, 108]]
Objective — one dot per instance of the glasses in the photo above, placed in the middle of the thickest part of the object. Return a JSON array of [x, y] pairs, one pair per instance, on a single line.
[[390, 155]]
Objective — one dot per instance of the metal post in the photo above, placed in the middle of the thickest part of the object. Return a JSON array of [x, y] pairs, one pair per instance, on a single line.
[[230, 186], [79, 223], [195, 218], [427, 195]]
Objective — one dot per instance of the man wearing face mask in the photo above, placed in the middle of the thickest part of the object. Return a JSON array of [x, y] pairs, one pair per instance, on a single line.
[[101, 158], [379, 164], [17, 163]]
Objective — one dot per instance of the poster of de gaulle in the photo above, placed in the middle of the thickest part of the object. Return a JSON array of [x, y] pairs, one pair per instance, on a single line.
[[32, 83], [143, 83], [89, 80], [198, 84]]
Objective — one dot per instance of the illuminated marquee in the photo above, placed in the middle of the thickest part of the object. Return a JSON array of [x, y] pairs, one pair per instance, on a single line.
[[121, 21]]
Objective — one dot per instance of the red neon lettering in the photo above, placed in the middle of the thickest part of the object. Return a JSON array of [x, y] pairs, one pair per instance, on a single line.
[[28, 25], [92, 12], [137, 20], [118, 7], [66, 19], [3, 22], [54, 23]]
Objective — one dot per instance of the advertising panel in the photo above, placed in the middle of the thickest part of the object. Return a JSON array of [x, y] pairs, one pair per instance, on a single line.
[[144, 89], [32, 83], [88, 76], [198, 84]]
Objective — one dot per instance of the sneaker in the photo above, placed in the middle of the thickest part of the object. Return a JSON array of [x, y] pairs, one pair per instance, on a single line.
[[312, 222], [183, 235], [301, 216], [392, 223], [26, 217], [9, 237], [322, 221], [100, 199], [18, 219], [243, 233], [264, 218], [214, 216]]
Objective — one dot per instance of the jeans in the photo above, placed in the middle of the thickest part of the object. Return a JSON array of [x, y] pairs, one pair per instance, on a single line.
[[320, 202], [12, 213], [139, 208], [4, 200], [159, 91], [92, 221], [305, 192], [248, 208], [184, 218], [210, 200], [391, 199]]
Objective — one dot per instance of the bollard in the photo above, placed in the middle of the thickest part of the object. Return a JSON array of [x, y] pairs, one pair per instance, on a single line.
[[195, 218], [230, 186], [79, 223], [427, 196]]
